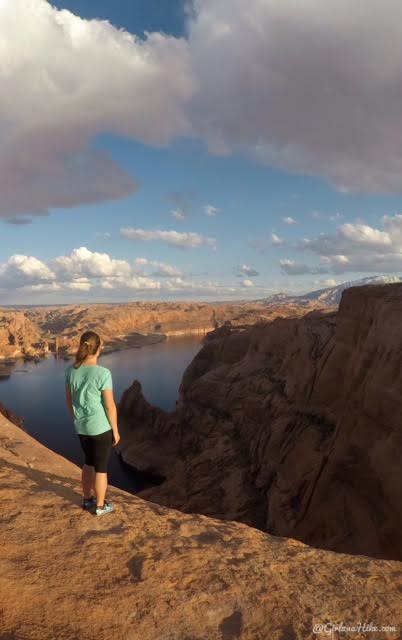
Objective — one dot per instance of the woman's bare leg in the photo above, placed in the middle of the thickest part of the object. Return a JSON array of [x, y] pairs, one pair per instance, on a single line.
[[100, 488], [88, 475]]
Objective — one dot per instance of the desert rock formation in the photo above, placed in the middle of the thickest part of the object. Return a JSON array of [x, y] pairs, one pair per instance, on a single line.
[[151, 573], [36, 331], [292, 426], [19, 335]]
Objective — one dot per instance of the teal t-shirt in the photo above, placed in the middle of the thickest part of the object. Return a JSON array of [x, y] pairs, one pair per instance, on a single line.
[[86, 384]]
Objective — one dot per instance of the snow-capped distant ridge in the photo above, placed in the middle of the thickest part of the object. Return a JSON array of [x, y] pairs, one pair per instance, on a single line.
[[330, 295]]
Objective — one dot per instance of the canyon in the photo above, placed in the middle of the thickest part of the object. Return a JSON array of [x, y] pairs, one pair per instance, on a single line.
[[149, 572], [291, 426], [281, 506], [35, 332]]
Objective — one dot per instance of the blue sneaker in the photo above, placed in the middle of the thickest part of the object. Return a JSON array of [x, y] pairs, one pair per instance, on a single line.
[[107, 508], [89, 503]]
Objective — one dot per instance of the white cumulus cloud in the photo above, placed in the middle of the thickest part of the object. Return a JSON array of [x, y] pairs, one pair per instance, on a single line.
[[85, 263], [187, 240], [64, 80], [159, 269], [289, 220], [93, 276], [20, 270], [354, 247]]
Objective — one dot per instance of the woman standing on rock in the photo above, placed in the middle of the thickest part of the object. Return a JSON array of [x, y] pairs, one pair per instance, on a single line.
[[89, 394]]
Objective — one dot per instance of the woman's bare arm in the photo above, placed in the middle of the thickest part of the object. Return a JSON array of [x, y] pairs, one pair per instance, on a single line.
[[111, 412]]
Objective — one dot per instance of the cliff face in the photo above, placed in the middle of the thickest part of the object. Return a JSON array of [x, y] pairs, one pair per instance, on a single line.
[[19, 335], [151, 573], [292, 426], [34, 330]]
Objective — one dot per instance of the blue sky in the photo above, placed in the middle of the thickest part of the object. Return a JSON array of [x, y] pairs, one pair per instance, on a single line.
[[296, 214]]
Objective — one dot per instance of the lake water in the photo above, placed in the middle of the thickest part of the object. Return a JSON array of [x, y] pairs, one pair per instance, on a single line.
[[36, 392]]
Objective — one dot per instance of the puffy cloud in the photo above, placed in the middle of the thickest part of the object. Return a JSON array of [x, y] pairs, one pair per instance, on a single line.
[[78, 271], [176, 285], [349, 238], [289, 220], [275, 239], [140, 283], [80, 285], [172, 238], [100, 79], [354, 247], [20, 270], [96, 275], [281, 93], [161, 269], [85, 263], [363, 233], [248, 283], [248, 271], [211, 211], [326, 106], [52, 287]]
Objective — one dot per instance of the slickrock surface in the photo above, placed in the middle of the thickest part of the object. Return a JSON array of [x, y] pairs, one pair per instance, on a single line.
[[33, 331], [152, 573], [292, 426]]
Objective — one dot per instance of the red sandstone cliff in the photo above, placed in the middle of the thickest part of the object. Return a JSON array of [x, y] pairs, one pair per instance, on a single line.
[[293, 426]]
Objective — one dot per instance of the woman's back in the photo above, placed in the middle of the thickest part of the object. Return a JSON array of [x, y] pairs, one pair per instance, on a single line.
[[87, 383]]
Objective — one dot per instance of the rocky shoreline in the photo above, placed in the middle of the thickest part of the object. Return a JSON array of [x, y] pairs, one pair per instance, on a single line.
[[7, 364]]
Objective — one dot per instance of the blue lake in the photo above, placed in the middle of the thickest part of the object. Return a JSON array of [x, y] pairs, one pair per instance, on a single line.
[[36, 392]]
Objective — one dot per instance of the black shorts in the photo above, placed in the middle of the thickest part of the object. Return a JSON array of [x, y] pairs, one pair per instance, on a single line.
[[97, 450]]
